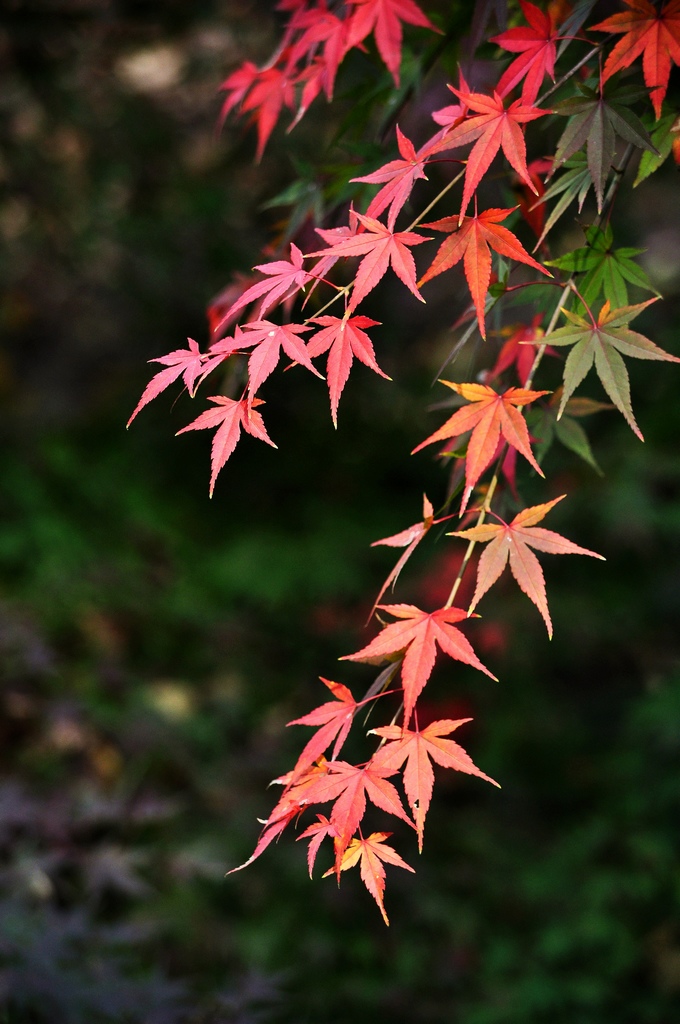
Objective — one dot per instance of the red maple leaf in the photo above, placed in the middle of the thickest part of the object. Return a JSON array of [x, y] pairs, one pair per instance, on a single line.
[[345, 339], [319, 26], [189, 362], [384, 18], [512, 542], [269, 338], [271, 91], [372, 853], [399, 177], [283, 279], [520, 350], [229, 417], [409, 538], [419, 746], [470, 240], [493, 127], [334, 719], [316, 834], [292, 803], [654, 34], [418, 633], [490, 416], [535, 43], [349, 785], [380, 248]]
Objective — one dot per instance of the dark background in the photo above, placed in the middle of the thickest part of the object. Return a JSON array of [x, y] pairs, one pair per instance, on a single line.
[[154, 643]]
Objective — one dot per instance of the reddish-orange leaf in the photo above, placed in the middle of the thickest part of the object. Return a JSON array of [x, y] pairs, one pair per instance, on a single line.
[[419, 746], [349, 785], [345, 339], [372, 852], [512, 541], [380, 248], [229, 417], [535, 44], [399, 177], [190, 363], [384, 18], [318, 832], [293, 801], [654, 34], [520, 350], [493, 127], [469, 240], [334, 719], [409, 539], [490, 416], [418, 633]]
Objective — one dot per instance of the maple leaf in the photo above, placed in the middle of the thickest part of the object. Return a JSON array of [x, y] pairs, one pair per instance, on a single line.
[[262, 93], [470, 240], [283, 279], [320, 26], [490, 416], [292, 803], [419, 746], [384, 18], [349, 785], [380, 248], [236, 85], [654, 34], [512, 542], [519, 350], [494, 127], [372, 853], [345, 339], [334, 719], [189, 362], [575, 183], [605, 269], [316, 834], [409, 538], [418, 633], [535, 43], [269, 338], [399, 177], [602, 342], [596, 117], [229, 417]]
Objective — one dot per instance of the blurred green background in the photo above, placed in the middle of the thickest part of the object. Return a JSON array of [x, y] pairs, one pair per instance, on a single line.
[[154, 643]]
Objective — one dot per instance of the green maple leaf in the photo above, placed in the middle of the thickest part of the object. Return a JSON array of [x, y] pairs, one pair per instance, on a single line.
[[596, 118], [602, 342], [662, 134], [573, 184], [606, 271]]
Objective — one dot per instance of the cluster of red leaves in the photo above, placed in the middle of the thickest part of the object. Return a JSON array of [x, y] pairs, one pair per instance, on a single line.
[[306, 63], [489, 429]]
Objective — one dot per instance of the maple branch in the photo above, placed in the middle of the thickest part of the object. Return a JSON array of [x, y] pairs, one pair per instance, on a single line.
[[570, 74], [430, 206], [486, 508]]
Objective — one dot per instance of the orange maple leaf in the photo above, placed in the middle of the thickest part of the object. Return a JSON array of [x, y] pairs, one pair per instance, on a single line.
[[511, 542], [652, 33], [490, 416], [419, 633], [469, 240], [372, 852], [419, 746]]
